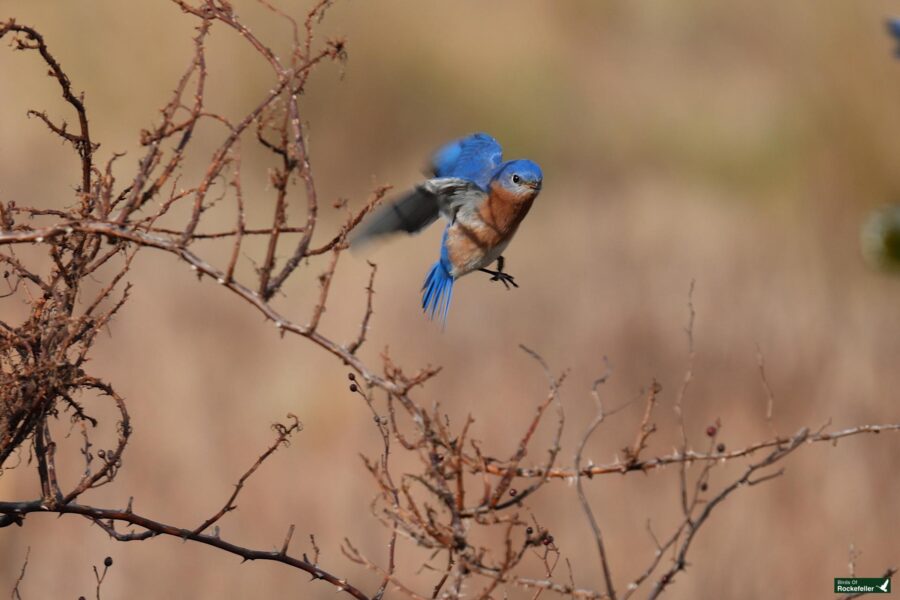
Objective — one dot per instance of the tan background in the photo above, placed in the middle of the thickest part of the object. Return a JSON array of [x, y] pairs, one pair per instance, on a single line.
[[739, 144]]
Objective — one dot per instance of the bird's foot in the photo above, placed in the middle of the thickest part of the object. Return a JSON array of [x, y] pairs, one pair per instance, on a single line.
[[505, 278]]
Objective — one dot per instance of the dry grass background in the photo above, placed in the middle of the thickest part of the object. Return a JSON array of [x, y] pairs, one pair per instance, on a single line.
[[737, 144]]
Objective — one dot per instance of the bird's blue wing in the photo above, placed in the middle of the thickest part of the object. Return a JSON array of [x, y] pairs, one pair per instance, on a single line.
[[474, 158], [466, 164]]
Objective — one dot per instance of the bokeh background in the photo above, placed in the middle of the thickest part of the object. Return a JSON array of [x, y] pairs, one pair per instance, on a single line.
[[739, 145]]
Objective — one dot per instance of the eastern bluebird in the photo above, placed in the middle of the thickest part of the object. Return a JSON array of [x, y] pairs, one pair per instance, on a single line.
[[483, 199]]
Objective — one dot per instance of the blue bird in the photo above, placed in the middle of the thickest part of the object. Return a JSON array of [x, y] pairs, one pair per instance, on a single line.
[[483, 200]]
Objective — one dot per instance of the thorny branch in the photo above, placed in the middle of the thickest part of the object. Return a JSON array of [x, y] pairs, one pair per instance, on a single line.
[[107, 518], [44, 359]]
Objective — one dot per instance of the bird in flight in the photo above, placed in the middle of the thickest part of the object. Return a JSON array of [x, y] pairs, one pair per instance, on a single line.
[[483, 200]]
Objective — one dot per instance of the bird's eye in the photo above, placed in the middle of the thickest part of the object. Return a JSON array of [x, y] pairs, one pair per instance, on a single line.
[[516, 179]]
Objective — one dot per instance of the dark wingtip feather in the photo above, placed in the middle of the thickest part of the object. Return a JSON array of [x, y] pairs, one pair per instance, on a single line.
[[411, 213]]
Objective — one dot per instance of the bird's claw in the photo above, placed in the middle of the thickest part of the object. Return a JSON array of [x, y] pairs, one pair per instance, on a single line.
[[499, 275], [505, 278]]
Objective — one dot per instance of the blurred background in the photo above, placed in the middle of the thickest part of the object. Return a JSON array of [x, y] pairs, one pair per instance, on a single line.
[[740, 145]]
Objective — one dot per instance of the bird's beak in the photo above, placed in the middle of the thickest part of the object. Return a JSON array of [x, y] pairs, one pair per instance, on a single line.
[[535, 185]]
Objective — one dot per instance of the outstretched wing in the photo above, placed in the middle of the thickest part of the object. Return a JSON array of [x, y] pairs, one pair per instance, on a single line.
[[461, 168], [442, 196], [411, 213], [474, 157], [453, 194]]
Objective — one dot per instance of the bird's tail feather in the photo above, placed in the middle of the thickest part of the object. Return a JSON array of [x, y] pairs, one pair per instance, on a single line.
[[437, 291]]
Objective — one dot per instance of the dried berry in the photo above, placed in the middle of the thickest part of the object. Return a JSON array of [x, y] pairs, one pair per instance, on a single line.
[[353, 387], [711, 430], [351, 376], [513, 492], [703, 487], [529, 530], [720, 447], [107, 562]]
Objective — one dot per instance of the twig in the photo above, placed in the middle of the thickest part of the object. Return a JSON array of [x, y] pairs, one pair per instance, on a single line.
[[16, 593], [579, 486], [770, 396], [284, 433], [364, 324]]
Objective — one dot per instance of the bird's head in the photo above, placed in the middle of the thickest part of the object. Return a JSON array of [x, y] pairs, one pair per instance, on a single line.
[[521, 177]]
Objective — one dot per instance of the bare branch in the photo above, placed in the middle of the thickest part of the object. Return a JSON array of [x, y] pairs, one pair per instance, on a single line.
[[100, 515], [16, 593]]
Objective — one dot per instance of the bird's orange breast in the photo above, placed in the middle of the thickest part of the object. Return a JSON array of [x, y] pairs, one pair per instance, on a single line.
[[503, 210], [475, 240]]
